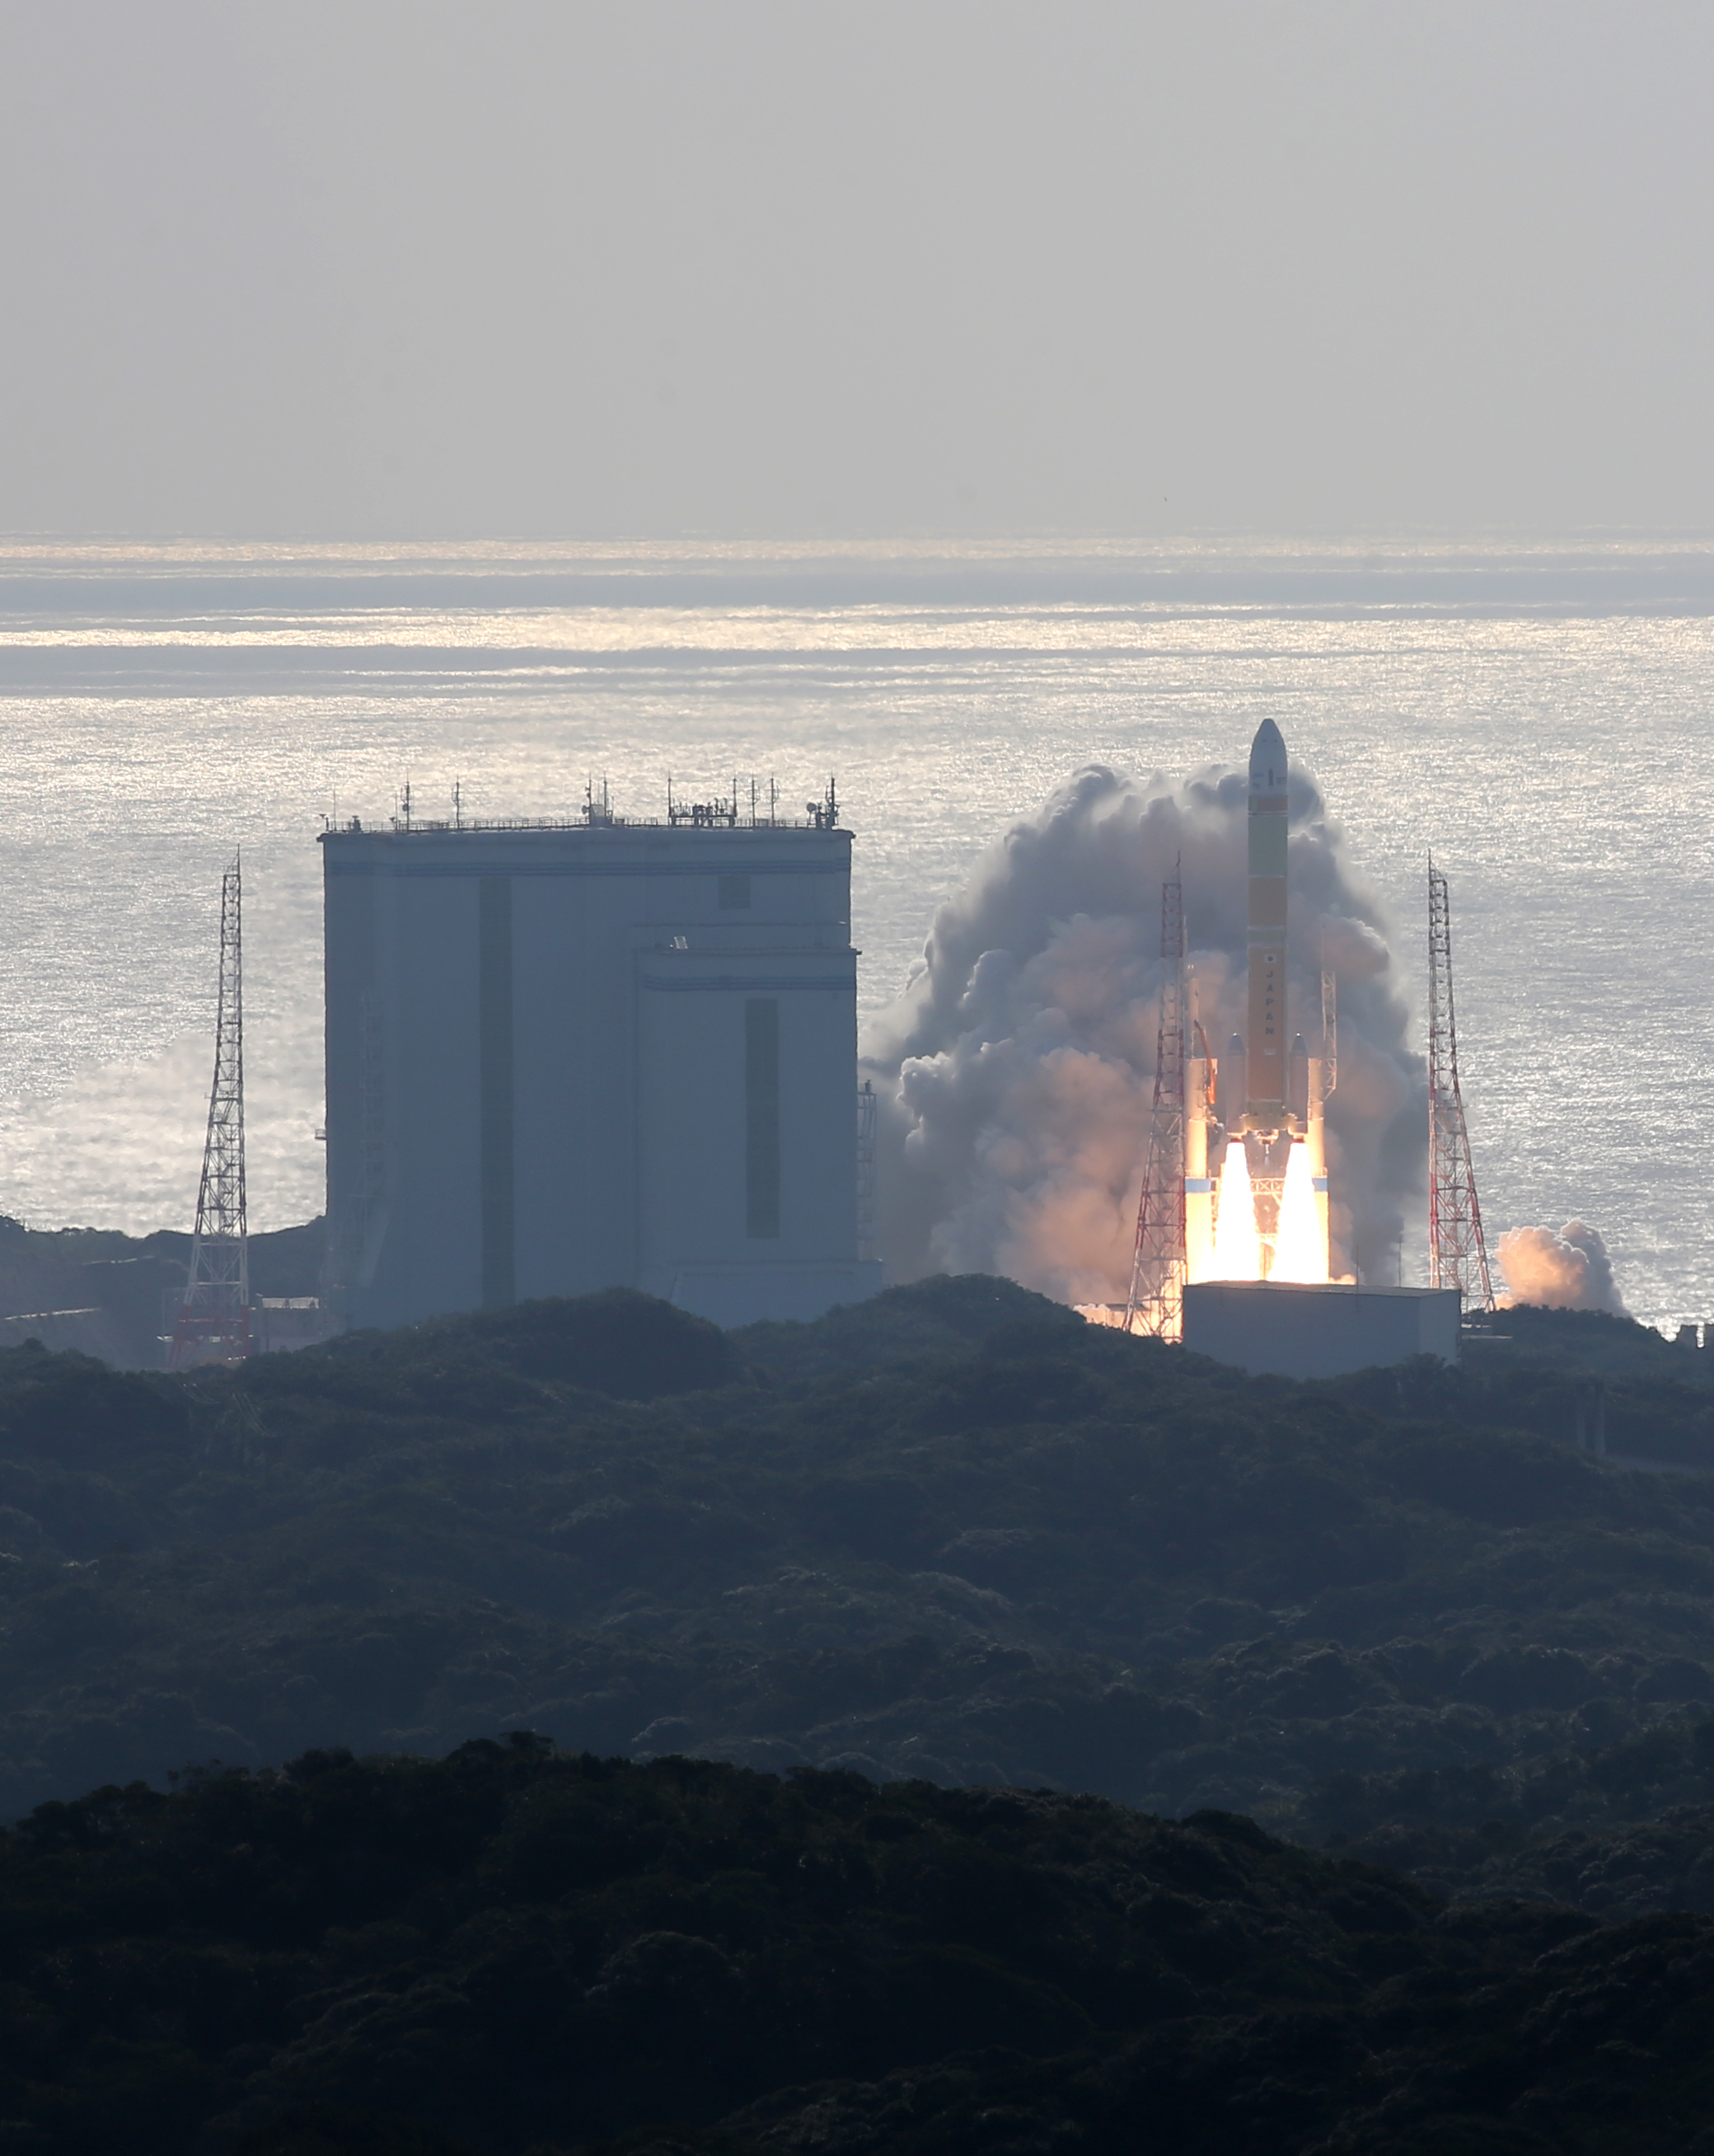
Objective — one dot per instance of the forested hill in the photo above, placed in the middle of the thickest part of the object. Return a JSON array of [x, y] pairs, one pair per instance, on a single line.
[[952, 1534], [513, 1951]]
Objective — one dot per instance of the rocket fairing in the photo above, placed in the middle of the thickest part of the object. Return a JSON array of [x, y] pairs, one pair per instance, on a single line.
[[1265, 1106]]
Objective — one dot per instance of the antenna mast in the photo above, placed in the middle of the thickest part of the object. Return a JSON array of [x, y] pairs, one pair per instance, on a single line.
[[1156, 1303], [1457, 1254], [214, 1323]]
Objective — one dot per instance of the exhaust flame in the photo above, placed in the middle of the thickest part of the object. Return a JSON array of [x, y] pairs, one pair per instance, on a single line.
[[1298, 1252], [1238, 1248]]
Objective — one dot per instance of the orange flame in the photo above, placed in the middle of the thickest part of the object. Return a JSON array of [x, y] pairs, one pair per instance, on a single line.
[[1238, 1248], [1298, 1252]]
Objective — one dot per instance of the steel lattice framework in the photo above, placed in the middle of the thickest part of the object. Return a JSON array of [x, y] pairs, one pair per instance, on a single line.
[[1156, 1303], [214, 1322], [866, 1103], [1457, 1254]]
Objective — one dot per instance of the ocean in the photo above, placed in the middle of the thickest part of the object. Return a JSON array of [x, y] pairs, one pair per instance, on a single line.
[[1539, 716]]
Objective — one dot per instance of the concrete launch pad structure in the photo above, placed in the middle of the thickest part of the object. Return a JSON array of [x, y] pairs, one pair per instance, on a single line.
[[567, 1057], [1286, 1330]]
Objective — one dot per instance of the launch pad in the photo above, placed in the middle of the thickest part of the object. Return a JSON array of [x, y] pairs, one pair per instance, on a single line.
[[1283, 1329], [1235, 1184], [1235, 1252]]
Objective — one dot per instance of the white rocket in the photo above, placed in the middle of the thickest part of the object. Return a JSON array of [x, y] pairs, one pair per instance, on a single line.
[[1257, 1090], [1264, 1075]]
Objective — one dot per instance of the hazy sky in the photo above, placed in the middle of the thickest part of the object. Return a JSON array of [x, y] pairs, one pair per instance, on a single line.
[[783, 267]]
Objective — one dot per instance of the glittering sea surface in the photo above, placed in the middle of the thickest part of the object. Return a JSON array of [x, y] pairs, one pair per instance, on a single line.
[[1541, 719]]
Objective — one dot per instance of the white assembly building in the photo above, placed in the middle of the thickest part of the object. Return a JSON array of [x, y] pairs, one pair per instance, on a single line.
[[577, 1056]]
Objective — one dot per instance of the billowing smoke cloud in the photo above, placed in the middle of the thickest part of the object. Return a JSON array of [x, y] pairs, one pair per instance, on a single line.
[[1570, 1270], [1017, 1069]]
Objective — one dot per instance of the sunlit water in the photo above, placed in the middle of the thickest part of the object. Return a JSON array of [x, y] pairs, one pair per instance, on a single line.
[[1544, 727]]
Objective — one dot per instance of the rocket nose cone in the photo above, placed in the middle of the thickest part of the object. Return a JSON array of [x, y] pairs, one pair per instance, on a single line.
[[1267, 760]]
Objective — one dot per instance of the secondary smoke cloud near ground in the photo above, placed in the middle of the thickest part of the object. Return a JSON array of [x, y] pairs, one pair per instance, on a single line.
[[1017, 1069], [1570, 1270]]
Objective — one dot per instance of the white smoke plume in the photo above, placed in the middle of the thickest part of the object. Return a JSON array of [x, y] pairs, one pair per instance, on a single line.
[[1017, 1068], [1570, 1270]]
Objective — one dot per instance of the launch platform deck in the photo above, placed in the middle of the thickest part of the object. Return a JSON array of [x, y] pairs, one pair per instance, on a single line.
[[1299, 1332]]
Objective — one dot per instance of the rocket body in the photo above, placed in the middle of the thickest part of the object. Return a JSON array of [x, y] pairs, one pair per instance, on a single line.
[[1265, 1106]]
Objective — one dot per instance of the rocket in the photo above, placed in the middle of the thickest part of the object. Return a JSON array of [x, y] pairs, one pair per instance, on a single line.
[[1265, 1107], [1264, 1103]]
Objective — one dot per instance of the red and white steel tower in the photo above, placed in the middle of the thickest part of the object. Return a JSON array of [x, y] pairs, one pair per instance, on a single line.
[[214, 1323], [1458, 1255], [1156, 1303]]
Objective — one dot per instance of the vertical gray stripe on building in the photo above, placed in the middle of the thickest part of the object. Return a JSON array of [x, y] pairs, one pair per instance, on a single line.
[[494, 1017], [356, 1129], [762, 1116]]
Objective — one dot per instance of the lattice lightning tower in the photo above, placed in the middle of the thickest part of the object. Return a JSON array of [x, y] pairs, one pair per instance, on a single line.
[[1458, 1255], [1156, 1303], [214, 1323]]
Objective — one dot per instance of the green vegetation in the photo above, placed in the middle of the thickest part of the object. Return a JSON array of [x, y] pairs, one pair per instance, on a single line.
[[952, 1534], [952, 1542], [514, 1949]]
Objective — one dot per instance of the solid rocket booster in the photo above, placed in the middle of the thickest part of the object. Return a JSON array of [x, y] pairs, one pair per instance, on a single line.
[[1199, 1186], [1231, 1095], [1264, 1094], [1315, 1137], [1297, 1082]]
